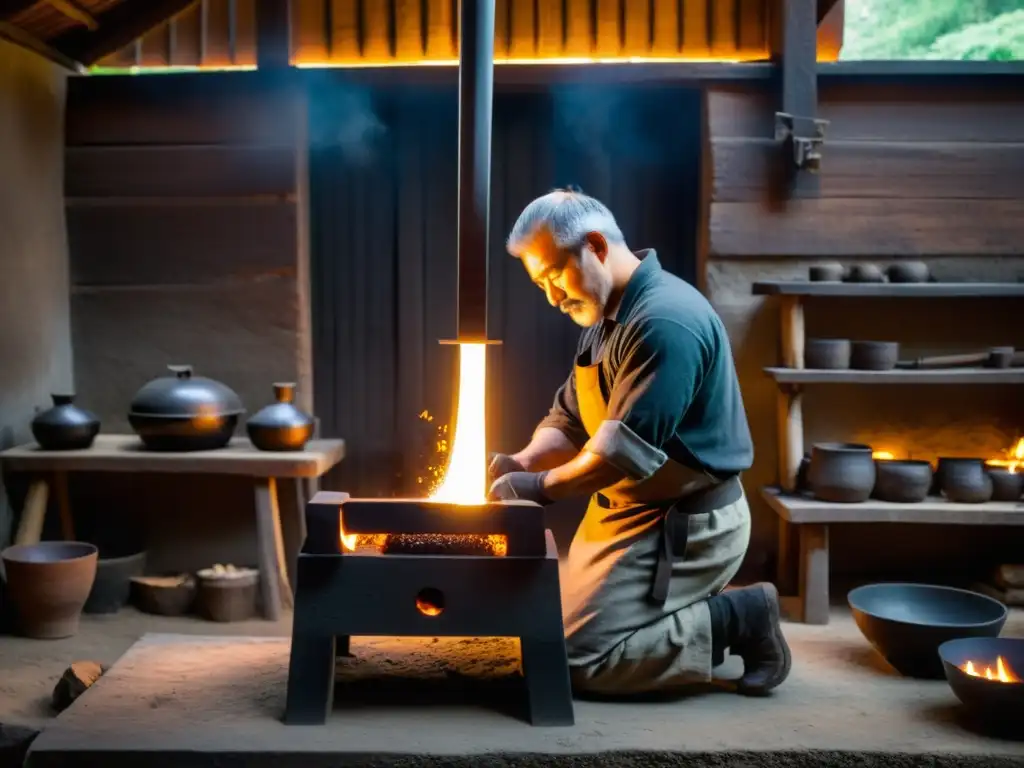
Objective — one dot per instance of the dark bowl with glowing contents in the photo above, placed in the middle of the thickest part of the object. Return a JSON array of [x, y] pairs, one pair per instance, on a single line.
[[986, 674], [906, 623]]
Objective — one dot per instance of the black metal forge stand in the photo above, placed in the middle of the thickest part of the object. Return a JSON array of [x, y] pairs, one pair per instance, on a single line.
[[344, 593]]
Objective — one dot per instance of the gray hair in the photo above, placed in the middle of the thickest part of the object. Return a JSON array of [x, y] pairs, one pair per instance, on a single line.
[[569, 216]]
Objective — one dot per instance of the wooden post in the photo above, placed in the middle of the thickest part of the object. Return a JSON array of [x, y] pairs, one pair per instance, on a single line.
[[273, 34], [795, 49], [790, 428]]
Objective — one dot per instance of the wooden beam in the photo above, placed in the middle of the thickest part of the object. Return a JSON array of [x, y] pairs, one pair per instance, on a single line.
[[824, 6], [73, 10], [11, 8], [273, 34], [796, 124], [20, 37], [118, 28]]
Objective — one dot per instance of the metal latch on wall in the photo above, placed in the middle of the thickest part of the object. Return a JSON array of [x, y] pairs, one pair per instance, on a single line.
[[806, 135]]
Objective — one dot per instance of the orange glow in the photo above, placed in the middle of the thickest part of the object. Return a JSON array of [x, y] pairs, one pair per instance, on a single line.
[[1001, 674], [563, 60], [883, 455], [465, 479], [348, 540], [427, 608], [1014, 458]]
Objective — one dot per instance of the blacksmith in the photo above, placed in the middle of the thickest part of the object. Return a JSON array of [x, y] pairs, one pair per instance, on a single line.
[[650, 424]]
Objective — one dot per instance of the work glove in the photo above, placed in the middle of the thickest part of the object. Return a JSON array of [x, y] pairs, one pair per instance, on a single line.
[[519, 486], [502, 464]]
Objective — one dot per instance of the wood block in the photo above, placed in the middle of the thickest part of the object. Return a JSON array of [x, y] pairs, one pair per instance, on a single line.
[[1010, 576], [1011, 596]]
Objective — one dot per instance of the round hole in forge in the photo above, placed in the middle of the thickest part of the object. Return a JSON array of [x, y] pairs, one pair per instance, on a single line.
[[430, 602]]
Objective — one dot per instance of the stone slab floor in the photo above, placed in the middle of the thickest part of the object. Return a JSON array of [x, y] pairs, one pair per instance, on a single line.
[[192, 693]]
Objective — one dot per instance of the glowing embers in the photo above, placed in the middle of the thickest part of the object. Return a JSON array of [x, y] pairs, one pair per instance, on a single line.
[[445, 544]]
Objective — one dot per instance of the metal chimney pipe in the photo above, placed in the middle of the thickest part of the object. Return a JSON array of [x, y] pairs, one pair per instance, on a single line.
[[476, 106]]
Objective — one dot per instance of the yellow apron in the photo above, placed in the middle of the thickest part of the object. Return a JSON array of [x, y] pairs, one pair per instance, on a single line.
[[622, 571]]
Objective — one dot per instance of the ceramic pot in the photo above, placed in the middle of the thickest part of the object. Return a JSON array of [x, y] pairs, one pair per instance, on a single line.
[[164, 595], [185, 412], [281, 426], [827, 354], [908, 272], [827, 273], [902, 481], [874, 355], [227, 598], [965, 481], [841, 472], [65, 426], [47, 585], [112, 586], [1006, 485], [864, 273]]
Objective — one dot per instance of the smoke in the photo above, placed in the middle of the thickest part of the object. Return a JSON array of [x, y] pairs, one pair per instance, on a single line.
[[607, 124], [344, 117]]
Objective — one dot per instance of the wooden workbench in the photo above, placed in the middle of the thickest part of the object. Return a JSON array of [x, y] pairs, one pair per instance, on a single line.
[[125, 453]]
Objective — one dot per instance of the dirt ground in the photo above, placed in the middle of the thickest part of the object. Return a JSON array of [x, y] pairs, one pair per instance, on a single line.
[[190, 694]]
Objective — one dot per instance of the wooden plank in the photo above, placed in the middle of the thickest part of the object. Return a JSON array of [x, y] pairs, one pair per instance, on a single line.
[[743, 170], [803, 509], [836, 227], [33, 514], [124, 453], [173, 171], [950, 376], [120, 26], [184, 243], [889, 290], [740, 110], [187, 109], [942, 112]]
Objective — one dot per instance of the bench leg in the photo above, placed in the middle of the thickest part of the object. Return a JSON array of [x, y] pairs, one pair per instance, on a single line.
[[814, 597], [30, 529], [60, 490], [275, 587]]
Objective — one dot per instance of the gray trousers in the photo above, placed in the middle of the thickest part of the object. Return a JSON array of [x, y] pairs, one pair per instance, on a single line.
[[674, 649]]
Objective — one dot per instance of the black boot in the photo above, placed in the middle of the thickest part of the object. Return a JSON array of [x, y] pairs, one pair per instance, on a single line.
[[751, 628]]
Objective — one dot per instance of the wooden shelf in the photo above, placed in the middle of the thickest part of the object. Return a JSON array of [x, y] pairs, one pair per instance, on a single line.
[[948, 376], [889, 290], [804, 509]]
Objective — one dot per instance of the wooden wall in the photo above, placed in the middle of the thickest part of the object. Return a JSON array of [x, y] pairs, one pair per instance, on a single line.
[[913, 167], [384, 165], [222, 33], [183, 214], [935, 170]]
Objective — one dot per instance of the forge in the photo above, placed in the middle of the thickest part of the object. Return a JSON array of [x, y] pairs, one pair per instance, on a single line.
[[414, 567]]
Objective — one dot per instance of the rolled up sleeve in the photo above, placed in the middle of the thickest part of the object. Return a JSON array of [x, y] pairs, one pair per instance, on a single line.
[[565, 415], [659, 369]]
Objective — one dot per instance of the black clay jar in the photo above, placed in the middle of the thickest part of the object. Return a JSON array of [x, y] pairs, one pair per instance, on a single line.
[[902, 481], [1006, 485], [908, 272], [827, 354], [281, 426], [841, 472], [185, 412], [964, 480], [864, 273], [874, 355], [65, 426], [831, 272]]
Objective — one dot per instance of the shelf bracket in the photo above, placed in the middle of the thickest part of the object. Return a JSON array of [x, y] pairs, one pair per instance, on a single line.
[[804, 136]]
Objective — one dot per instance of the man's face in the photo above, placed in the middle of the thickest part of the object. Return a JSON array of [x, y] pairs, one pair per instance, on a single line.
[[577, 284]]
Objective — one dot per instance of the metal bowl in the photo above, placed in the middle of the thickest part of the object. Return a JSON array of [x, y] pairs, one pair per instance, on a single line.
[[989, 698], [906, 623]]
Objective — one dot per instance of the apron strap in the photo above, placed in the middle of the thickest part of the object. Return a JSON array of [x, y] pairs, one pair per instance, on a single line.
[[675, 530]]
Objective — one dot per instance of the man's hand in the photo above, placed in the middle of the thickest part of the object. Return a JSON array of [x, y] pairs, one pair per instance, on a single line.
[[501, 465], [519, 486]]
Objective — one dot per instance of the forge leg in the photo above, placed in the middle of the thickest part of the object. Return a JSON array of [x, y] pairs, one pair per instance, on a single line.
[[341, 643], [548, 690], [310, 680]]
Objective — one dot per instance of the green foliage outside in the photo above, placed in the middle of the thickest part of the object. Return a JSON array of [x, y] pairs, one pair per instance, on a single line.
[[950, 30]]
